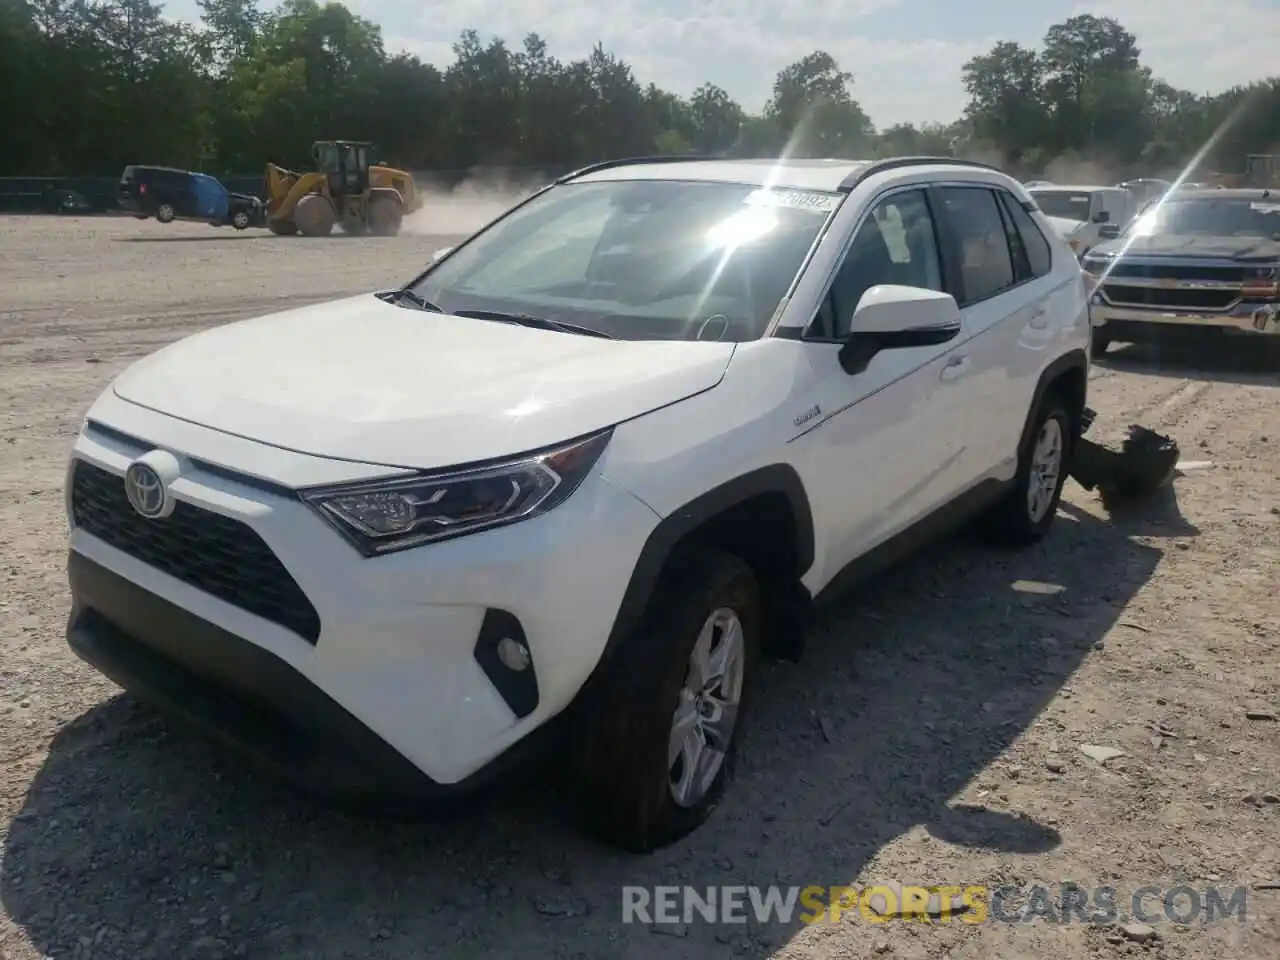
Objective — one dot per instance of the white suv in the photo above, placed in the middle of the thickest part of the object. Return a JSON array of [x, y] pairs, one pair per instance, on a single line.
[[579, 476]]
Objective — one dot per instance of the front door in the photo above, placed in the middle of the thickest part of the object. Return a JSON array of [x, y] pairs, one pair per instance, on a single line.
[[882, 450]]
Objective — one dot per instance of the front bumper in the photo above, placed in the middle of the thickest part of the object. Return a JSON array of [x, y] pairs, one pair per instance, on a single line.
[[392, 678], [234, 690], [1244, 318]]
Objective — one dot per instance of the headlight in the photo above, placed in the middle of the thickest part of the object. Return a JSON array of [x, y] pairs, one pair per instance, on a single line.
[[386, 516]]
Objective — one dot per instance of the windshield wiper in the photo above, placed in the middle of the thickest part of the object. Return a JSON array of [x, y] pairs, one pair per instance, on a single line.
[[537, 323], [395, 296]]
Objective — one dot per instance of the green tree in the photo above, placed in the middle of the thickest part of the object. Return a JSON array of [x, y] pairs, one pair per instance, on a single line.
[[87, 86], [1007, 103], [813, 109]]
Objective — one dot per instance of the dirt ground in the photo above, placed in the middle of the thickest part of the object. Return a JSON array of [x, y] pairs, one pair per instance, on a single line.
[[933, 735]]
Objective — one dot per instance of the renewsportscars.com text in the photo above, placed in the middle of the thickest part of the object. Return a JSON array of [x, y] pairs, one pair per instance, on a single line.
[[1068, 903]]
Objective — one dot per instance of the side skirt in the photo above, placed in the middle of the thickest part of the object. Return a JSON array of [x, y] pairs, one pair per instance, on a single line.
[[948, 518]]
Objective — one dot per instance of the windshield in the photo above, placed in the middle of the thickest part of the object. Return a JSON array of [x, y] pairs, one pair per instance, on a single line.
[[639, 260], [1212, 217], [1062, 203]]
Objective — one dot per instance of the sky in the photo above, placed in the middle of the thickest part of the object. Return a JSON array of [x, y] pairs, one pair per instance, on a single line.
[[905, 55]]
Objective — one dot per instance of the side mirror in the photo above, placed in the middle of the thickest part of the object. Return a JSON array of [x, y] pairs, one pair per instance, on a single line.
[[891, 317], [1102, 216], [1109, 231], [441, 254]]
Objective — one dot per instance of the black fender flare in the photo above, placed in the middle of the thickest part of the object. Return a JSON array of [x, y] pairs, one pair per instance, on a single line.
[[1073, 360], [778, 478]]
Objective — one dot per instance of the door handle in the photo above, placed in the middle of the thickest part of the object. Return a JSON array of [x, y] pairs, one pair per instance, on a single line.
[[956, 368]]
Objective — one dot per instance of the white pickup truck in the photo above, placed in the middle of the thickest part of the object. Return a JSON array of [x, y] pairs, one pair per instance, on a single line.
[[1080, 213]]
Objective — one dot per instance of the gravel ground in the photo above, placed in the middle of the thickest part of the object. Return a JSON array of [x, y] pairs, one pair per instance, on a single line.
[[933, 736]]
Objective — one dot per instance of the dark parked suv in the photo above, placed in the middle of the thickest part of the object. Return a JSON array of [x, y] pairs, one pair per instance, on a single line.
[[169, 194]]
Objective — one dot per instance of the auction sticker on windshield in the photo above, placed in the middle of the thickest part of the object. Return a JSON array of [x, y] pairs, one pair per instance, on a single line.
[[794, 199]]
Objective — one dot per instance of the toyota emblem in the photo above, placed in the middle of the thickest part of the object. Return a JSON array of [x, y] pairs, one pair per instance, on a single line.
[[145, 490]]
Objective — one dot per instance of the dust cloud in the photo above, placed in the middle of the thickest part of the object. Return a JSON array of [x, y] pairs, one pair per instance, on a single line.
[[1068, 169], [467, 207]]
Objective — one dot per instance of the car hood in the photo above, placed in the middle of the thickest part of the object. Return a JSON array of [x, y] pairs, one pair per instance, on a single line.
[[1065, 225], [360, 379], [1249, 249]]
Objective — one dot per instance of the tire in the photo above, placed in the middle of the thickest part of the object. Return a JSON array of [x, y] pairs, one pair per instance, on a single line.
[[240, 220], [384, 216], [1016, 520], [315, 216], [282, 228], [625, 724], [1099, 341], [165, 213]]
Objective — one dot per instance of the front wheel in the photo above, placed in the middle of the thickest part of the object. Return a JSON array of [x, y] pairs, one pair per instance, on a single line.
[[1026, 513], [165, 213], [657, 733], [240, 220], [314, 215]]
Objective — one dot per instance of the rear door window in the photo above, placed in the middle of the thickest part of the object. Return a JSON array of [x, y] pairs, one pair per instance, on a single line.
[[1031, 251], [986, 262]]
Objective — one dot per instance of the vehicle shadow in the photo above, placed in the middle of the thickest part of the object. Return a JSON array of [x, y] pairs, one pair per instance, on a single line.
[[145, 841], [218, 237], [1248, 361]]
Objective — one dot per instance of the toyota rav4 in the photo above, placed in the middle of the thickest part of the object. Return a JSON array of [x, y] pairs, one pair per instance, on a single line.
[[570, 485]]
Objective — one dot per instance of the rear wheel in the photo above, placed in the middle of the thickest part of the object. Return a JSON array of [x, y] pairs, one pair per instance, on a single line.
[[240, 219], [384, 216], [1026, 513], [314, 215], [657, 733], [165, 213]]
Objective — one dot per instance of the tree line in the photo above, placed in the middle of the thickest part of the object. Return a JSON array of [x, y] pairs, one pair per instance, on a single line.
[[87, 86]]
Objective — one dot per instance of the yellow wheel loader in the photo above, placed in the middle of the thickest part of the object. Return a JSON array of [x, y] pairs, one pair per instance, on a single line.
[[344, 189]]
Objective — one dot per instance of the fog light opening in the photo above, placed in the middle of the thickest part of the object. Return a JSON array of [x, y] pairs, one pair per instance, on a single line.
[[513, 654]]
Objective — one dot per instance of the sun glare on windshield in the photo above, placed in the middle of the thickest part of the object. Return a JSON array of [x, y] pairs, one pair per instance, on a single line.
[[1145, 225], [742, 227]]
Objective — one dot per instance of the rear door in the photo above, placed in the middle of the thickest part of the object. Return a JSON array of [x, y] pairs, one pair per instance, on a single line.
[[129, 192], [1005, 289]]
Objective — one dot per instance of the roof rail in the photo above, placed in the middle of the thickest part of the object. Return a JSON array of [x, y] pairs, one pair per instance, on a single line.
[[628, 161], [893, 163]]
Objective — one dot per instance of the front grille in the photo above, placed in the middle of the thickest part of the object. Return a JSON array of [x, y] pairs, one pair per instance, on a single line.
[[1172, 298], [223, 557], [1178, 271]]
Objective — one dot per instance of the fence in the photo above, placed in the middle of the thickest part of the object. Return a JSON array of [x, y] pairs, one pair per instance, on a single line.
[[45, 194]]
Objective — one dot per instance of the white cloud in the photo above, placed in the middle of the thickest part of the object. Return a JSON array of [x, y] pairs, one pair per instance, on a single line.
[[738, 44], [1201, 45]]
